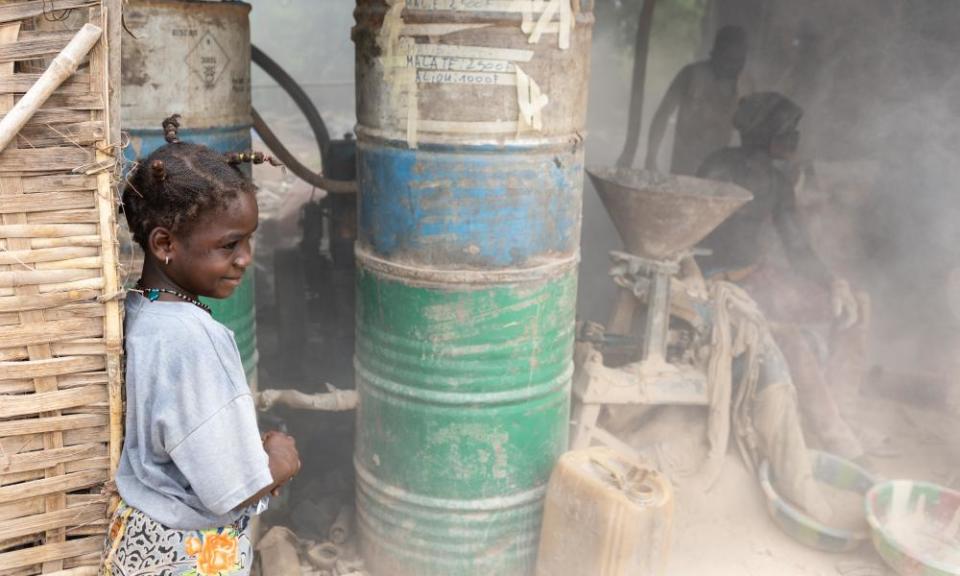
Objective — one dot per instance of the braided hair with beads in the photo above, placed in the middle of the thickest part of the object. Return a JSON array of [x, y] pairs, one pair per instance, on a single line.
[[180, 181]]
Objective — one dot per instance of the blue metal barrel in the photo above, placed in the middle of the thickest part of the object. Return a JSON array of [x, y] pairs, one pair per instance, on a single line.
[[470, 170], [475, 207], [193, 59]]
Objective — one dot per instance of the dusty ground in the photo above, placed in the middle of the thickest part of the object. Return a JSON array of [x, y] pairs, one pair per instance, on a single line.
[[727, 532]]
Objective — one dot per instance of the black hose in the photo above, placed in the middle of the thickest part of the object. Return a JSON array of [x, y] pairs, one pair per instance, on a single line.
[[314, 119], [290, 161]]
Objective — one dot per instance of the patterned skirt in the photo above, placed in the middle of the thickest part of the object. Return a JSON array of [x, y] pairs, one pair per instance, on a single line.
[[137, 545]]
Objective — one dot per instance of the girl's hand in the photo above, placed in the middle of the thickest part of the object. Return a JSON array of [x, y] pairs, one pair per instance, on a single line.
[[284, 462], [284, 459]]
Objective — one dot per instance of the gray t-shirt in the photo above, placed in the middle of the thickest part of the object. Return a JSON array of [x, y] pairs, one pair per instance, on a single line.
[[192, 452]]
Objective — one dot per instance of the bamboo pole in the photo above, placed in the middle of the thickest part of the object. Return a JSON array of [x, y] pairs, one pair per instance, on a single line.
[[62, 67]]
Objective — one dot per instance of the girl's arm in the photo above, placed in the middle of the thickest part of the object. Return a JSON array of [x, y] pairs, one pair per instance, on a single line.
[[284, 462]]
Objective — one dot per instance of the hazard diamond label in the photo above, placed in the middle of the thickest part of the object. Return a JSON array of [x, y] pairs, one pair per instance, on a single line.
[[208, 60]]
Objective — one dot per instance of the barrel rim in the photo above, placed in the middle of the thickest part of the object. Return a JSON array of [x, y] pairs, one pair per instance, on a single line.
[[440, 141], [193, 6], [582, 17], [411, 274], [559, 383], [526, 498]]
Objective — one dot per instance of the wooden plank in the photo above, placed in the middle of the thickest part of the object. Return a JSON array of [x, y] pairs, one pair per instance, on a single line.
[[91, 284], [81, 240], [48, 458], [51, 159], [105, 80], [67, 382], [19, 543], [81, 565], [51, 520], [48, 232], [85, 498], [64, 217], [86, 263], [42, 487], [76, 134], [47, 552], [19, 83], [46, 116], [62, 182], [55, 400], [68, 312], [24, 10], [53, 331], [91, 529], [75, 102], [82, 347], [34, 302], [42, 44], [49, 367], [84, 310], [34, 442], [43, 201], [51, 424], [21, 508], [114, 33], [13, 257], [101, 462], [17, 278]]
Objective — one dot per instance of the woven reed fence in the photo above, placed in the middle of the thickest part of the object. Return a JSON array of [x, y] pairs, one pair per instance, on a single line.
[[60, 312]]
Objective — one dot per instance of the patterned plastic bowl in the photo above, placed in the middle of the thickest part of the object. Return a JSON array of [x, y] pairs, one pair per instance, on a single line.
[[920, 509], [833, 471]]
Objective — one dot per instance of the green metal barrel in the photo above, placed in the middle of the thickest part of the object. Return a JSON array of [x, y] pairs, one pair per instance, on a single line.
[[470, 171], [238, 313], [465, 400]]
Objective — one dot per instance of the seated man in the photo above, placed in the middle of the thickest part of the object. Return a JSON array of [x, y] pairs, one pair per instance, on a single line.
[[794, 295]]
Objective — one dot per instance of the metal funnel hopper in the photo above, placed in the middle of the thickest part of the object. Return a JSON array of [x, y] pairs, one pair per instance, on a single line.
[[659, 216]]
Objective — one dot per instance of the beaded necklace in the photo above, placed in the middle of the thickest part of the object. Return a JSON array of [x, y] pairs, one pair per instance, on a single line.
[[153, 294]]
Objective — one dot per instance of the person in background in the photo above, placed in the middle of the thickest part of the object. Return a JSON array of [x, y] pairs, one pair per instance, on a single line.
[[704, 95], [194, 467], [796, 291]]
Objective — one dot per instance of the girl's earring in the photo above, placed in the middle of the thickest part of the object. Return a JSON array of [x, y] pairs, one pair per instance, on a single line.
[[167, 260]]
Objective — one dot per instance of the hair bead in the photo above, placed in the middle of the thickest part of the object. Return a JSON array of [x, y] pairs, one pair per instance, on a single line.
[[171, 129]]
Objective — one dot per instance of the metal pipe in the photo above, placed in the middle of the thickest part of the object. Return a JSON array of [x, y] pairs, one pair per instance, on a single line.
[[658, 318], [640, 55]]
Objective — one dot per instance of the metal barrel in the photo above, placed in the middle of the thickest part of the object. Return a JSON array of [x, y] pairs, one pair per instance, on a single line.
[[470, 170], [193, 59]]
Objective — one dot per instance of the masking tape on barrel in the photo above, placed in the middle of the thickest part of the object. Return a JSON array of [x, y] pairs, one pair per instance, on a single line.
[[537, 15], [436, 30], [496, 6], [389, 36], [407, 64], [547, 9], [531, 102]]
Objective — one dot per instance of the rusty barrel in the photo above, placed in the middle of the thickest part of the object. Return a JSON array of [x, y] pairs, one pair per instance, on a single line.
[[193, 59], [470, 170]]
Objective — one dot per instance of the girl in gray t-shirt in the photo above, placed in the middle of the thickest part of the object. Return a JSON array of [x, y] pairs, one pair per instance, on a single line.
[[194, 466]]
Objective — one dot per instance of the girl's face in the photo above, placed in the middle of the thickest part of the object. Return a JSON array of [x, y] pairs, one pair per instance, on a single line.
[[210, 259]]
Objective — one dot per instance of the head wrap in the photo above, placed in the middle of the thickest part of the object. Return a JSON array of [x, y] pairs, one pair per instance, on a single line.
[[763, 116]]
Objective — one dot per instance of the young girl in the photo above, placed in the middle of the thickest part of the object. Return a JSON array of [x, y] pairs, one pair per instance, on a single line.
[[194, 467]]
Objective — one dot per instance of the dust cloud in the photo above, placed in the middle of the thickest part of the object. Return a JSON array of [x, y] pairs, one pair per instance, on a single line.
[[880, 82]]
